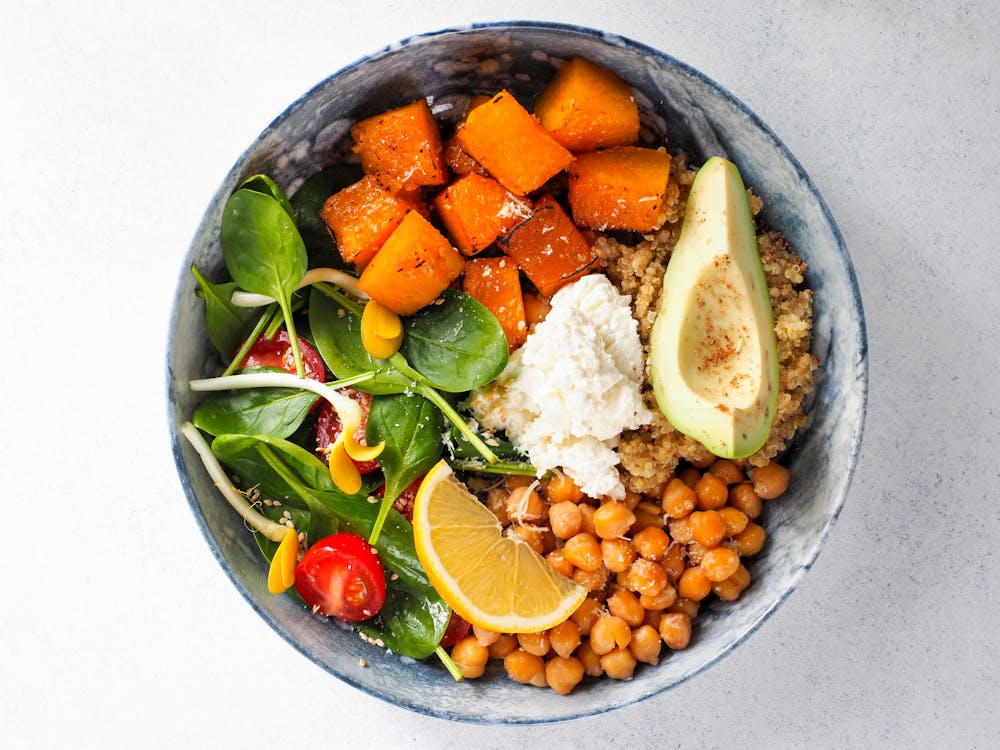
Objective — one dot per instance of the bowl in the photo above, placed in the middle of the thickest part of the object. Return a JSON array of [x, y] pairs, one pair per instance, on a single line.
[[697, 116]]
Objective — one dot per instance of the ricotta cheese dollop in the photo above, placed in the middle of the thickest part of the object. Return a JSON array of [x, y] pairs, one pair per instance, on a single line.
[[568, 393]]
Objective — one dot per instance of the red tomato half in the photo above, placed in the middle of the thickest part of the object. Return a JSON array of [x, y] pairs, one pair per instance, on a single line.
[[329, 427], [404, 503], [457, 629], [341, 576], [277, 352]]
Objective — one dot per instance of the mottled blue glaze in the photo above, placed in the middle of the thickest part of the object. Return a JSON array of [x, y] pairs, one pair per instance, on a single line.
[[695, 114]]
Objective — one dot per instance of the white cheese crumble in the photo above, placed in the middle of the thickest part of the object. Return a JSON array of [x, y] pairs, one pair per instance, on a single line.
[[568, 393]]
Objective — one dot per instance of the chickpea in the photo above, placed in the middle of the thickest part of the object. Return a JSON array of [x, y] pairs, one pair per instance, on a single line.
[[529, 535], [680, 530], [470, 657], [675, 630], [727, 471], [609, 632], [647, 515], [558, 560], [590, 660], [645, 644], [565, 519], [563, 673], [503, 645], [678, 498], [564, 638], [735, 520], [588, 613], [647, 577], [651, 543], [694, 584], [624, 604], [770, 481], [689, 476], [526, 668], [485, 637], [708, 527], [683, 606], [711, 491], [587, 519], [534, 643], [730, 589], [562, 489], [584, 551], [496, 501], [660, 601], [695, 551], [674, 562], [751, 540], [618, 554], [702, 460], [592, 580], [524, 505], [618, 664], [743, 498], [719, 564], [612, 520]]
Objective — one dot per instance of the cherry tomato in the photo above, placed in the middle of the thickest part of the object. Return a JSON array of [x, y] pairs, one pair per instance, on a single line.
[[341, 576], [277, 352], [457, 629], [404, 503], [329, 427]]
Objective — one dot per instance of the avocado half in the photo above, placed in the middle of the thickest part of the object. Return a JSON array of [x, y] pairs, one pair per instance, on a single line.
[[713, 352]]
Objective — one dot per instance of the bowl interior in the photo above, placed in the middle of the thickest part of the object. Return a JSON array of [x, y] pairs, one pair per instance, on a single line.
[[695, 115]]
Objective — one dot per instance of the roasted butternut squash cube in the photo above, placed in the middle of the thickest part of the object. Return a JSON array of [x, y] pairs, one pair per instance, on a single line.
[[415, 264], [550, 249], [619, 188], [476, 210], [402, 148], [511, 144], [360, 217], [496, 284], [586, 107]]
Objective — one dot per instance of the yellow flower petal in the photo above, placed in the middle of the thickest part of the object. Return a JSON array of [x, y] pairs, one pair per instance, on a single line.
[[381, 321], [354, 449], [342, 469], [281, 574]]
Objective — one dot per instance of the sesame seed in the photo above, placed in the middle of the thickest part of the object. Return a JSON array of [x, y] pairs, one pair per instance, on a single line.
[[362, 663]]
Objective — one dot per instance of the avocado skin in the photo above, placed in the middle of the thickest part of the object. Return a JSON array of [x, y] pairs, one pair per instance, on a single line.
[[716, 378]]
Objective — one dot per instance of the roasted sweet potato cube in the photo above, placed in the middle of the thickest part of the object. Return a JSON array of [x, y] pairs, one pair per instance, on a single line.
[[496, 284], [477, 209], [619, 188], [415, 264], [586, 107], [402, 147], [512, 145], [360, 217], [550, 249]]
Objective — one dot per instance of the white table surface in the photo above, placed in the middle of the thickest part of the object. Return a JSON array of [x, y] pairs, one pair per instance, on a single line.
[[118, 627]]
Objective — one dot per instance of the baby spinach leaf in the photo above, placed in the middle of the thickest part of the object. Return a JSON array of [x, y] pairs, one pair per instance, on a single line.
[[412, 620], [337, 334], [411, 427], [457, 345], [459, 447], [261, 183], [308, 200], [228, 325], [254, 411], [238, 453]]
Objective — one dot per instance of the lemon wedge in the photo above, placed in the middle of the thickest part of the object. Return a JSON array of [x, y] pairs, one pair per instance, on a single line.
[[491, 580]]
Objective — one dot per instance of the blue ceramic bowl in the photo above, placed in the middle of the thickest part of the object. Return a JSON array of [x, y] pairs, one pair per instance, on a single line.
[[697, 116]]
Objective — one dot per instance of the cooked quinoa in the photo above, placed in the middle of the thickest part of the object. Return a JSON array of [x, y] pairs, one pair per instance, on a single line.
[[650, 454]]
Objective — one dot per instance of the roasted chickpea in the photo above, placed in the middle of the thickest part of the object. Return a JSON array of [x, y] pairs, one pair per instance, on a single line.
[[470, 657], [503, 646], [743, 498], [624, 604], [564, 638], [708, 527], [618, 664], [678, 499], [711, 491], [645, 644], [719, 564], [694, 584], [534, 643], [561, 489], [612, 520], [565, 519], [584, 551], [770, 481], [727, 471], [646, 577], [563, 673], [609, 632], [651, 543], [526, 668], [675, 630], [751, 540], [618, 554]]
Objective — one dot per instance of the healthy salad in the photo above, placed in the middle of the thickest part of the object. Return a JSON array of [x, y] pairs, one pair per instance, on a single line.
[[509, 391]]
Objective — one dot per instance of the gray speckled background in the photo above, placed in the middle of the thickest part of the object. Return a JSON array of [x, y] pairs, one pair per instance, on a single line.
[[120, 627]]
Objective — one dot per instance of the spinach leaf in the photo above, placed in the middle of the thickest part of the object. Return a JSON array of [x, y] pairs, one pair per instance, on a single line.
[[411, 427], [261, 183], [457, 345], [337, 333], [459, 447], [228, 325], [412, 620], [264, 252], [309, 199], [308, 470], [254, 411], [238, 453]]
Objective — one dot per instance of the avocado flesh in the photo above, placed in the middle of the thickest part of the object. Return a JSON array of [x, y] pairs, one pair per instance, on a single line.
[[713, 352]]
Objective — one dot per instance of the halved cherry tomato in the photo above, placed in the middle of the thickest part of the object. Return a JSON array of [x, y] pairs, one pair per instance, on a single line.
[[341, 576], [404, 503], [457, 629], [329, 427], [277, 352]]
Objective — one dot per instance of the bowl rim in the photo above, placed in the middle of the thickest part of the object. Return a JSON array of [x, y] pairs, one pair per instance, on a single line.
[[861, 368]]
